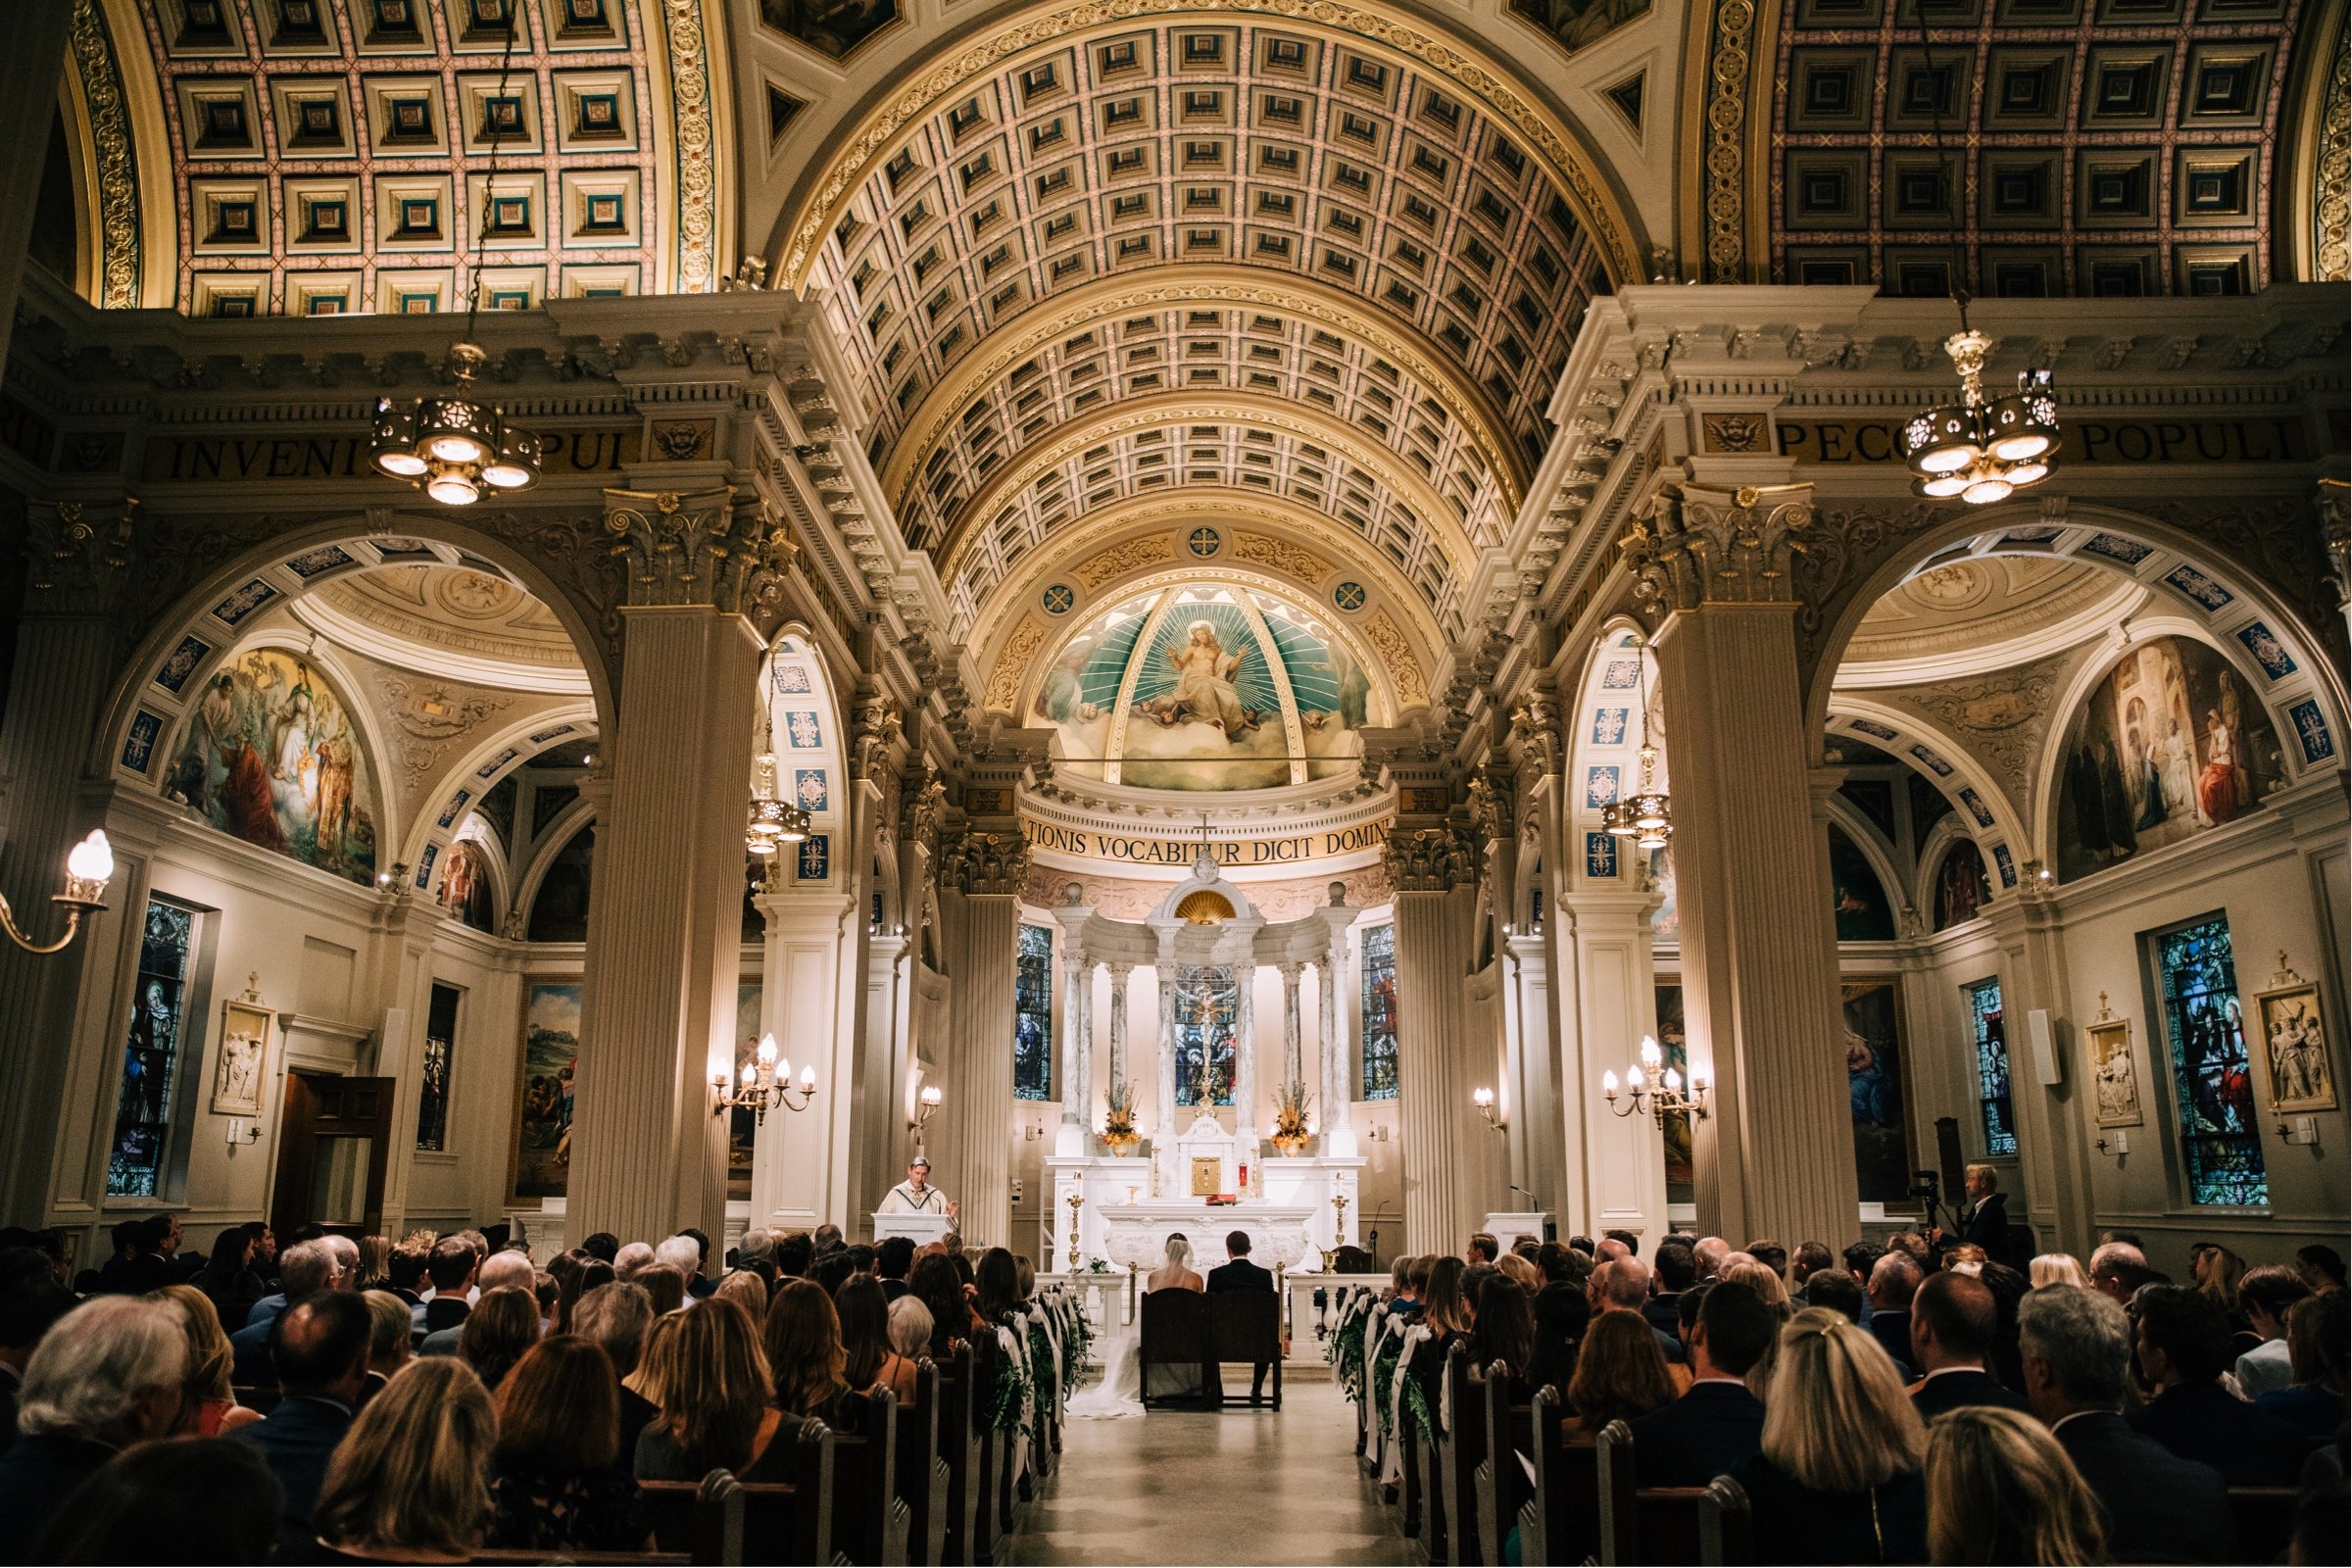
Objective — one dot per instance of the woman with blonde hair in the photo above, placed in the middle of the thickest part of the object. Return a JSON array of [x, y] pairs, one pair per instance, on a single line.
[[710, 1377], [209, 1406], [1520, 1272], [644, 1381], [1839, 1478], [746, 1289], [2001, 1489], [2058, 1268], [1766, 1282], [411, 1481]]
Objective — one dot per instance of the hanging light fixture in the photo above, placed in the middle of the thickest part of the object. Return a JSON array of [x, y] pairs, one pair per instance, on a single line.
[[773, 820], [1645, 814], [456, 446], [1980, 449]]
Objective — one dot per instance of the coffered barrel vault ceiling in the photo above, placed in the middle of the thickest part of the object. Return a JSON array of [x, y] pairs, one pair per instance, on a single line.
[[2102, 147], [336, 156]]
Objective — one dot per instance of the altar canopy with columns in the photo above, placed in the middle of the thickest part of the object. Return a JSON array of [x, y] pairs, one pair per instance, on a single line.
[[1204, 943]]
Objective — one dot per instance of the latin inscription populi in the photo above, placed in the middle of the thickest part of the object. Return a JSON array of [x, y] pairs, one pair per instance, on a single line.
[[2085, 440]]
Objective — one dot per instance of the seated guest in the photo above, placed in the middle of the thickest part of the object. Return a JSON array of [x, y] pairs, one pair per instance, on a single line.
[[1405, 1299], [208, 1403], [617, 1319], [107, 1376], [2057, 1268], [221, 1500], [138, 1265], [2216, 1273], [746, 1289], [1619, 1374], [409, 1270], [1561, 1313], [941, 1290], [793, 1255], [1772, 1256], [30, 1304], [1520, 1270], [632, 1261], [604, 1247], [683, 1253], [388, 1348], [2184, 1346], [1764, 1280], [2320, 1268], [663, 1284], [412, 1482], [1717, 1422], [450, 1267], [1859, 1260], [1483, 1249], [1505, 1333], [554, 1484], [805, 1355], [710, 1377], [868, 1360], [911, 1328], [1622, 1285], [309, 1269], [1835, 1290], [227, 1278], [1953, 1320], [320, 1348], [894, 1256], [1893, 1281], [1624, 1238], [1677, 1272], [503, 1325], [2075, 1347], [2117, 1270], [1709, 1251], [500, 1271], [999, 1277], [1837, 1480], [1810, 1258], [2317, 1333], [2001, 1489], [2267, 1294], [2008, 1287]]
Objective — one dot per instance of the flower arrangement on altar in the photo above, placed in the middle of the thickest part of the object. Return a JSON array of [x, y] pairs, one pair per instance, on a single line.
[[1290, 1118], [1119, 1123]]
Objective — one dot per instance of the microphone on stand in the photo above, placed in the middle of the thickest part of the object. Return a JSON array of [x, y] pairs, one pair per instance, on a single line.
[[1523, 1192]]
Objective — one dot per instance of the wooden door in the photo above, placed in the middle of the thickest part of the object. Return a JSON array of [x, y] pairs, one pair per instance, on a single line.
[[334, 1144]]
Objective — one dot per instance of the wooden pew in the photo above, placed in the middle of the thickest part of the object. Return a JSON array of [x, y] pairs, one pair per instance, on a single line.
[[722, 1520], [1559, 1522], [1641, 1524], [960, 1453], [871, 1520], [1726, 1529], [1461, 1445], [571, 1554], [704, 1518], [922, 1475], [2266, 1521], [987, 1520], [1407, 1439], [1498, 1483]]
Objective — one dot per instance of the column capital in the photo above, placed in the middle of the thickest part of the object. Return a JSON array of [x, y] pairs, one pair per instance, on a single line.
[[1291, 969], [874, 728], [1694, 546], [1119, 971], [1493, 805], [77, 556], [714, 548], [923, 808], [985, 862], [1535, 735], [1430, 860]]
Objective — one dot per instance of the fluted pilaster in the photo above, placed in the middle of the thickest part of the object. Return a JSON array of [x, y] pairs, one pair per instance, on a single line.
[[977, 1152], [1432, 872]]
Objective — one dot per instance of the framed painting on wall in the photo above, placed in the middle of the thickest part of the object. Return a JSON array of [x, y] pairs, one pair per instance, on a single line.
[[1876, 1097], [243, 1057], [2295, 1048], [2113, 1070], [547, 1061]]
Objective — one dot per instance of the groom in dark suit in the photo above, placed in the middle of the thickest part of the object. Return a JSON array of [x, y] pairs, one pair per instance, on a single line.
[[1240, 1274]]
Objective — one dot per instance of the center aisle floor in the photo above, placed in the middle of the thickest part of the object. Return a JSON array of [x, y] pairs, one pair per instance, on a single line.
[[1192, 1487]]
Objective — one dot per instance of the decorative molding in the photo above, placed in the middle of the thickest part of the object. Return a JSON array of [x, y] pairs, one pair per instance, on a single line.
[[1430, 860], [431, 714], [1405, 670], [1012, 663], [1729, 66], [117, 236], [1120, 558], [697, 160], [1535, 735], [875, 727], [1493, 802], [923, 808], [1279, 554], [985, 864], [710, 547], [78, 558], [2333, 214], [1694, 547]]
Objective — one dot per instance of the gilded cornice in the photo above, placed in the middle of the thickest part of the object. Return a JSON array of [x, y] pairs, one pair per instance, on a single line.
[[1400, 478], [696, 162], [1000, 48], [1170, 286]]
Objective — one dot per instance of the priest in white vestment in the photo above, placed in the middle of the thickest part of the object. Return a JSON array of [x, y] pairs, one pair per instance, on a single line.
[[916, 1196]]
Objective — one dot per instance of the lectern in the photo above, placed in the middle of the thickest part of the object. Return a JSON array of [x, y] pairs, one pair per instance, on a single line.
[[921, 1229]]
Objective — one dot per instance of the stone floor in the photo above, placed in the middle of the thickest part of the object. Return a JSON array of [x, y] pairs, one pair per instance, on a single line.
[[1186, 1487]]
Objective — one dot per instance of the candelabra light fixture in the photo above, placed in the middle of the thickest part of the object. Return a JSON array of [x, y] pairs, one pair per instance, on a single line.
[[1484, 1099], [89, 866], [456, 445], [927, 1107], [766, 1085], [1653, 1086], [1645, 814], [774, 820], [1983, 448]]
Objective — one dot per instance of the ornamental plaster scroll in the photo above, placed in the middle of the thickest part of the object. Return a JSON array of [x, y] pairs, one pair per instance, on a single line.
[[1729, 62], [2006, 718], [79, 557], [875, 727], [1012, 664], [941, 411], [1565, 161], [1146, 550], [1123, 898], [1430, 860], [1493, 805], [708, 547], [1535, 735], [2333, 213], [1696, 547], [95, 68], [1279, 554], [697, 147], [923, 808], [431, 716], [1420, 496], [1405, 670]]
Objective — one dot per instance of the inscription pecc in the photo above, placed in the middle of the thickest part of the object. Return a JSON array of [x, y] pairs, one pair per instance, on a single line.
[[2275, 440], [1136, 850], [212, 459]]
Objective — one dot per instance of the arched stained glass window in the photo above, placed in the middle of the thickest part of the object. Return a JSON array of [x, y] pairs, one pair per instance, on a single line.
[[158, 1002], [1207, 1002], [1379, 1077], [2213, 1081], [1033, 1016], [1993, 1067]]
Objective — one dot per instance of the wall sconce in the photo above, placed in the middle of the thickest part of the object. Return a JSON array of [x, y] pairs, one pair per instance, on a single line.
[[89, 866], [766, 1084], [240, 1132], [927, 1107], [1484, 1100], [1666, 1100]]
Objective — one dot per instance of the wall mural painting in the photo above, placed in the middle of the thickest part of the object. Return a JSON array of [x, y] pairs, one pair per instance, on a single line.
[[1578, 24], [832, 27], [1674, 1040], [1961, 886], [560, 908], [1859, 900], [742, 1124], [1665, 922], [1182, 690], [541, 1161], [2169, 743], [464, 890], [1874, 1071], [272, 756]]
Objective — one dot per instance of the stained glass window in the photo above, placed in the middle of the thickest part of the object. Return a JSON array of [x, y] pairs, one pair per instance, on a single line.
[[2213, 1081], [1205, 1000], [1993, 1067], [159, 999], [432, 1091], [1033, 1016], [1379, 1077]]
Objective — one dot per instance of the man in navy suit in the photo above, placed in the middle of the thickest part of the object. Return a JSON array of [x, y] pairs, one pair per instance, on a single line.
[[1893, 1279], [1240, 1274], [2184, 1348], [320, 1347], [2075, 1347], [1953, 1319], [1717, 1422]]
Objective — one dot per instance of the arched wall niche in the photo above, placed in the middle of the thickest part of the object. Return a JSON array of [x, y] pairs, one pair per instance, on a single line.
[[494, 759], [486, 858], [1942, 757], [800, 718], [1860, 831], [550, 846], [1604, 756]]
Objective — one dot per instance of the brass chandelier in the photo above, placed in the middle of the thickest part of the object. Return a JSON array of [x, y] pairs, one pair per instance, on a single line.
[[772, 820], [1643, 813]]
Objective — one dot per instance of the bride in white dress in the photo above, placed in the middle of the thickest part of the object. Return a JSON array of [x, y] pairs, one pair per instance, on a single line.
[[1119, 1392]]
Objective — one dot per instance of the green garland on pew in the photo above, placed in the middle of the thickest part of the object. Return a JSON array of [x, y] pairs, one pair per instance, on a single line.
[[1006, 1399], [1041, 1349], [1076, 1340], [1416, 1405], [1345, 1353], [1384, 1368]]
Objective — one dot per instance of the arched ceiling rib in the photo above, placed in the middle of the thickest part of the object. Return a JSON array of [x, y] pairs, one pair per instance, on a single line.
[[1331, 149]]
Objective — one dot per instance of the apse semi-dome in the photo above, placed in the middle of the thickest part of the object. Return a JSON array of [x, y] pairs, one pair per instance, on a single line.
[[1207, 686]]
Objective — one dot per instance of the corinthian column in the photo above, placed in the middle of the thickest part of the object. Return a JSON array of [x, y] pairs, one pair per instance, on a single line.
[[1774, 1156], [1294, 1059], [1432, 874], [987, 870], [1334, 1039], [665, 926], [1244, 1060], [1118, 1021]]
